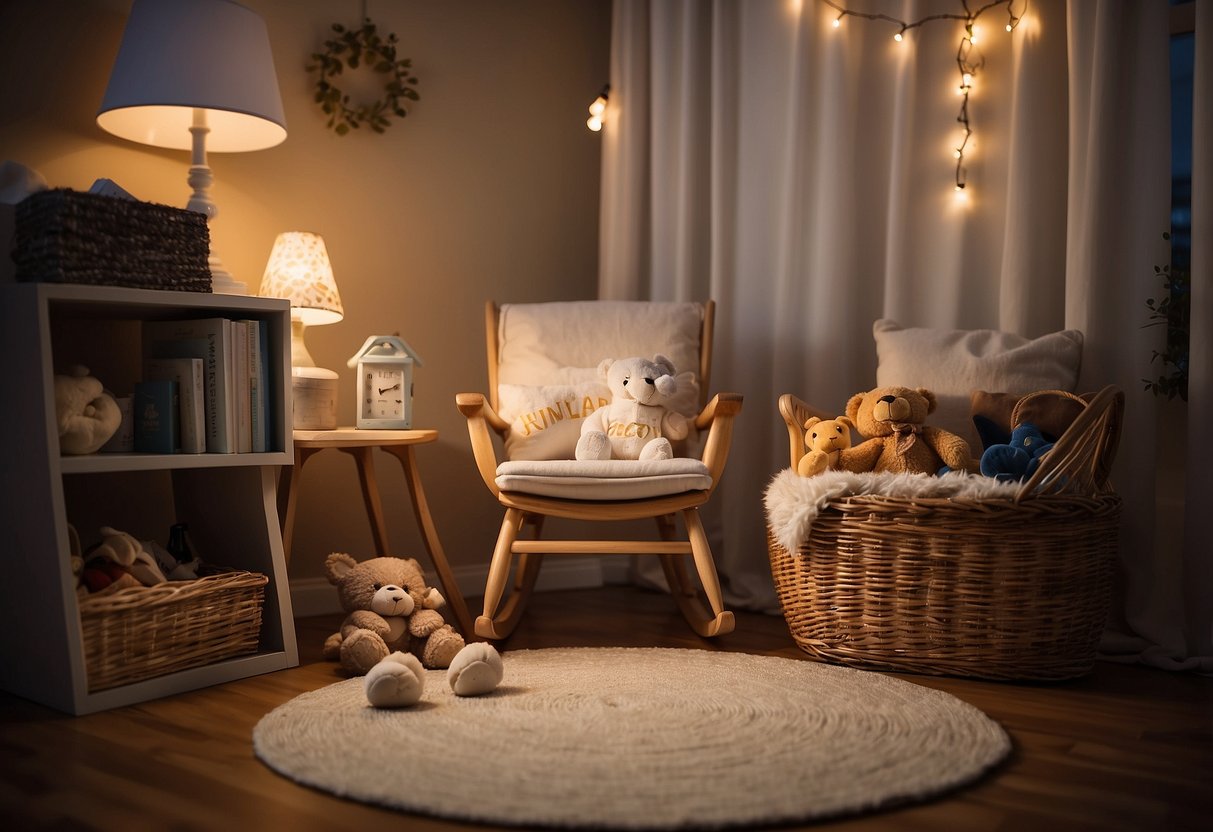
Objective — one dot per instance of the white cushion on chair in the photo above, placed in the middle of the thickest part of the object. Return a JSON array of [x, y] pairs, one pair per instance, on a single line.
[[548, 356], [545, 421], [609, 479], [555, 343]]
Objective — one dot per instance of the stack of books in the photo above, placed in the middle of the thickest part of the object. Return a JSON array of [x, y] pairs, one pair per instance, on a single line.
[[206, 387]]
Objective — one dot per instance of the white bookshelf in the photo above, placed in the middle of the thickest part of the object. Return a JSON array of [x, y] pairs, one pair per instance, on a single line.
[[228, 500]]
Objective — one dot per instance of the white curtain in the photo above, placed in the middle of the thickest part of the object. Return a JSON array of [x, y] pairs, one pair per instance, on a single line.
[[802, 175]]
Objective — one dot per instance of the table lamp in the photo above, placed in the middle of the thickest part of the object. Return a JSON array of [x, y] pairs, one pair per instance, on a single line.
[[195, 75], [300, 271]]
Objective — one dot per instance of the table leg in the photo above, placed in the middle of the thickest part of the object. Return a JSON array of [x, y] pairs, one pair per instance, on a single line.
[[288, 497], [370, 496], [429, 534]]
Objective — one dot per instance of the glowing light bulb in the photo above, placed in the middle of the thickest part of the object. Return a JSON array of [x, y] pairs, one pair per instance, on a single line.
[[837, 21], [594, 123], [598, 106], [898, 37], [1009, 27], [966, 80]]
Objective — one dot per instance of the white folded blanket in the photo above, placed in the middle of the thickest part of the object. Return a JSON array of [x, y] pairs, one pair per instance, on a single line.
[[793, 502]]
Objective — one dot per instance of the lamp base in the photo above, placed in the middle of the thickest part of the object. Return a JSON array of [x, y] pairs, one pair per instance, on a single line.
[[313, 399], [222, 282]]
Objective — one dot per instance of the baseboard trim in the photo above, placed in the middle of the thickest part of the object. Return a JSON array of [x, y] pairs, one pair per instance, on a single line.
[[316, 596]]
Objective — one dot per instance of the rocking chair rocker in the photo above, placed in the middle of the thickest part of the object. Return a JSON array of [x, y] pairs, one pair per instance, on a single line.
[[548, 349]]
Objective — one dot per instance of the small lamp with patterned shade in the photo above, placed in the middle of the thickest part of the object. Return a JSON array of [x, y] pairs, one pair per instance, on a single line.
[[299, 270]]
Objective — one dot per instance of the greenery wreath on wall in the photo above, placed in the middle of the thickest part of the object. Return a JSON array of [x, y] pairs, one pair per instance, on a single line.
[[362, 47]]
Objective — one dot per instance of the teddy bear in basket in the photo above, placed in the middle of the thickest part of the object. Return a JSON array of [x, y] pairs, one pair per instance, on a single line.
[[899, 440], [825, 440]]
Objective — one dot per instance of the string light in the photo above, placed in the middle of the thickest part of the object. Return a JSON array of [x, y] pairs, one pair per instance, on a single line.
[[598, 109], [968, 59]]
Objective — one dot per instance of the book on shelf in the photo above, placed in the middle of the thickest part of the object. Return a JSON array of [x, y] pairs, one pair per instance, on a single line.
[[190, 375], [240, 358], [155, 416], [209, 339], [258, 346]]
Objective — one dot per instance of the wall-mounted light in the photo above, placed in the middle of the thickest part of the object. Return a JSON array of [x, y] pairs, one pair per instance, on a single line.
[[598, 109]]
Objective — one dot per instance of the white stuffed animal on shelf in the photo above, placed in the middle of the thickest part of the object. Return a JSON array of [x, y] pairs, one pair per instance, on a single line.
[[637, 424], [87, 416]]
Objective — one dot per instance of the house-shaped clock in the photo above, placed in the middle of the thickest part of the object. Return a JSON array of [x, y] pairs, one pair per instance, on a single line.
[[385, 383]]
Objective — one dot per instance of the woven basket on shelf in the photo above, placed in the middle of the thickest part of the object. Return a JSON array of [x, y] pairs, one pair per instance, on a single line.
[[142, 632], [1010, 589], [65, 236]]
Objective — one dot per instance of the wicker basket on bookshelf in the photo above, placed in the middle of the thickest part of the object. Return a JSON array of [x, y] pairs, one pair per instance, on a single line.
[[1015, 589], [66, 236], [142, 632]]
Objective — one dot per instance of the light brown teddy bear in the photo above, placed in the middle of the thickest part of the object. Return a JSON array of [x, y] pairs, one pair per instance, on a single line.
[[893, 418], [825, 440], [390, 609]]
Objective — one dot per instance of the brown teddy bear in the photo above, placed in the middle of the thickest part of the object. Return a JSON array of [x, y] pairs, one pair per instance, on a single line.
[[893, 418], [825, 440], [390, 608]]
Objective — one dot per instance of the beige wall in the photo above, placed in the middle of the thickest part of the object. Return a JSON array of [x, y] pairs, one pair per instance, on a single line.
[[488, 189]]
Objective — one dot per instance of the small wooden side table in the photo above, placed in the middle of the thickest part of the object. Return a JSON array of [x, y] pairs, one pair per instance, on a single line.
[[361, 444]]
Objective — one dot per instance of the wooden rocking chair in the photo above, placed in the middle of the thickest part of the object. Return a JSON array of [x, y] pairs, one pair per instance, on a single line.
[[547, 351]]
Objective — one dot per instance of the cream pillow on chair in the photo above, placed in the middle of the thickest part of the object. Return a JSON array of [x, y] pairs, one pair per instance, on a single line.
[[953, 363]]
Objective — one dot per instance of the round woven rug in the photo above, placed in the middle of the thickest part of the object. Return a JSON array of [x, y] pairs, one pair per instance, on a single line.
[[637, 738]]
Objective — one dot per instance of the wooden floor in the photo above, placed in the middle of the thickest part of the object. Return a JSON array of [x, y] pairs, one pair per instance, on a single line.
[[1126, 748]]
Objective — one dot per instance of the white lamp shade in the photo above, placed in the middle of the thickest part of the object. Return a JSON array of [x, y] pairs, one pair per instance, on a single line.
[[299, 270], [178, 56]]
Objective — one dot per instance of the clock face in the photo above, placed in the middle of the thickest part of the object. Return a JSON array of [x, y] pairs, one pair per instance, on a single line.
[[382, 393]]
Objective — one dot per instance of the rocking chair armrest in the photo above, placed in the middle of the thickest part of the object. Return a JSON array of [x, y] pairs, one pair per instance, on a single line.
[[481, 417], [718, 418], [795, 412], [725, 405]]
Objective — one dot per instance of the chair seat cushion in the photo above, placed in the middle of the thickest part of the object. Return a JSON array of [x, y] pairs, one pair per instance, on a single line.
[[610, 479]]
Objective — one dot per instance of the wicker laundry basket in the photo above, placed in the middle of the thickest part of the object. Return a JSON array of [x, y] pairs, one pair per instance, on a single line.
[[998, 589], [142, 632]]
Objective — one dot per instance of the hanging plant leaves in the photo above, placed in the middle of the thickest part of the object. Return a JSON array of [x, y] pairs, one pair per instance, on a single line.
[[362, 47]]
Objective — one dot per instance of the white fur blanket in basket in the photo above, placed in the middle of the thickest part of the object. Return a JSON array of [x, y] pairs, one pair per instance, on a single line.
[[792, 501]]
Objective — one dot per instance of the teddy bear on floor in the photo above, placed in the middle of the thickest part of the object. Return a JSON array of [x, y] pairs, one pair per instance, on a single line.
[[637, 424], [87, 416], [825, 440], [390, 609], [893, 418]]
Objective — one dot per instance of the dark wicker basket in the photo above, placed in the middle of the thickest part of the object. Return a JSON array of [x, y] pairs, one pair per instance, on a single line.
[[65, 236], [1009, 590]]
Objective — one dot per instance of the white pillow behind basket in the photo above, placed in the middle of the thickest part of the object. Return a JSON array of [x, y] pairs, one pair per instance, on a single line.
[[954, 363]]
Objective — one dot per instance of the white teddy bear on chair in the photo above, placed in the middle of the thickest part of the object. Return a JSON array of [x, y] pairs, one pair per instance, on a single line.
[[637, 424]]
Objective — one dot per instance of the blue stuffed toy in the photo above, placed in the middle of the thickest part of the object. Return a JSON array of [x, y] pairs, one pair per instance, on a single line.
[[1019, 459]]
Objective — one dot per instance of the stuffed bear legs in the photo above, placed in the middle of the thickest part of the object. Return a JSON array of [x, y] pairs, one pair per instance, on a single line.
[[363, 649], [597, 445]]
